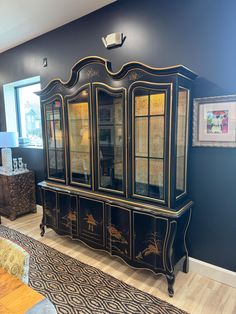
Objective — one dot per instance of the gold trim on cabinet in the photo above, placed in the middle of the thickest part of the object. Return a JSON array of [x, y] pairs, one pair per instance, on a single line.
[[171, 244], [97, 59], [170, 137], [44, 104], [106, 198], [186, 229], [186, 144], [123, 92], [165, 90], [68, 99]]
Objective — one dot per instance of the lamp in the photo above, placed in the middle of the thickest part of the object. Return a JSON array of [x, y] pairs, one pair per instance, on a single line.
[[8, 140]]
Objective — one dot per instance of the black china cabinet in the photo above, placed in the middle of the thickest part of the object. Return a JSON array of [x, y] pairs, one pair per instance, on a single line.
[[116, 155]]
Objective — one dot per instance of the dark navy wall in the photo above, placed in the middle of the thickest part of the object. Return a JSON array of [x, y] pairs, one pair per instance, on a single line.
[[199, 34]]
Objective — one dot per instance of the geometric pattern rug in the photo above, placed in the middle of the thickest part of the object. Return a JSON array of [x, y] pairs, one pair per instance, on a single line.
[[77, 288]]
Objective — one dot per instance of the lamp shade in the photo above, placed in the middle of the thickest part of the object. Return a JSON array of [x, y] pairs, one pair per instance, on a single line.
[[8, 139]]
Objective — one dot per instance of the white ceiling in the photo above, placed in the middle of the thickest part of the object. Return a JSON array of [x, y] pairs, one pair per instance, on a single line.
[[22, 20]]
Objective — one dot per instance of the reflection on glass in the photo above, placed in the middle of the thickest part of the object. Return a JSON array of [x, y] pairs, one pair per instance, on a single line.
[[181, 141], [156, 136], [55, 140], [110, 139], [141, 105], [156, 178], [141, 176], [157, 103], [149, 132], [79, 125], [141, 137]]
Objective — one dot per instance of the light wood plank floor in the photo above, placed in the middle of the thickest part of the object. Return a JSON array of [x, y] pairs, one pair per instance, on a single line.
[[193, 293]]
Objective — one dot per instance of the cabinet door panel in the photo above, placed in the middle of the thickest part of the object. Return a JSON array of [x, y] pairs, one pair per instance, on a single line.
[[67, 214], [111, 139], [79, 119], [50, 208], [149, 239], [118, 231], [148, 147], [91, 221], [54, 131], [182, 142]]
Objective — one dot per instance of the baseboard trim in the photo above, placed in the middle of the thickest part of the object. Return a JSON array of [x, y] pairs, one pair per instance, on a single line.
[[213, 272]]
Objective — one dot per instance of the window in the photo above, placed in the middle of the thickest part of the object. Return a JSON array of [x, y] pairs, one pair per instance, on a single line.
[[22, 109], [28, 113]]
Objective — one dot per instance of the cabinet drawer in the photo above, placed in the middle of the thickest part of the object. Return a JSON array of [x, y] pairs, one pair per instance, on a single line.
[[91, 221]]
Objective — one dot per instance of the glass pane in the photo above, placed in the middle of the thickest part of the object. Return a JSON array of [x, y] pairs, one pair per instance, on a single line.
[[58, 134], [149, 133], [55, 139], [52, 162], [79, 137], [181, 141], [60, 161], [50, 134], [157, 103], [111, 140], [156, 178], [29, 115], [141, 102], [141, 137], [141, 176], [156, 139]]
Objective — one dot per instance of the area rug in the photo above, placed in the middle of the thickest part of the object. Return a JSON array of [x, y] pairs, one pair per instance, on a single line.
[[74, 287]]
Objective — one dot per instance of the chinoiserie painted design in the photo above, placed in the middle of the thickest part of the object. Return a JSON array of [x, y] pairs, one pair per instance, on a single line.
[[116, 235], [69, 219], [91, 222], [118, 231], [119, 241], [134, 76], [154, 246], [91, 73]]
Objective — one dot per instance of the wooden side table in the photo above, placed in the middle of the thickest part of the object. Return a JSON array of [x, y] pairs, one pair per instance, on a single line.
[[17, 194]]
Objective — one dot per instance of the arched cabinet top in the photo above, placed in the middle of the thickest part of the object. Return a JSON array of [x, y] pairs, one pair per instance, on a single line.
[[95, 69]]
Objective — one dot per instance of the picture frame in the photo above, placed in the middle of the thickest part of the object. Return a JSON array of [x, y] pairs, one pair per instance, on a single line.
[[214, 121]]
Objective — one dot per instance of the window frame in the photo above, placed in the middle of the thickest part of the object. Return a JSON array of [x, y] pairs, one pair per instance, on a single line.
[[19, 116]]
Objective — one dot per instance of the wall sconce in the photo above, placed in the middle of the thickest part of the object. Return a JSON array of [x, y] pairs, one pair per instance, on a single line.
[[113, 40]]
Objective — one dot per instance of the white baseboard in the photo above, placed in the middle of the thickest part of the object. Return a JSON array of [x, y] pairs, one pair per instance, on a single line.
[[214, 272]]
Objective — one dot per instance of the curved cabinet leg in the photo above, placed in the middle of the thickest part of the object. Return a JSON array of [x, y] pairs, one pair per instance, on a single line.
[[42, 228], [170, 281]]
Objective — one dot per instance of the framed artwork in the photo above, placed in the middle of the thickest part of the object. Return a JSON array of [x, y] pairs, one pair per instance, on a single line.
[[214, 121]]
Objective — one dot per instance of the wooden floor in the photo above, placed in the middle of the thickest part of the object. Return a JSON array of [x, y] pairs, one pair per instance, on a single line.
[[193, 292]]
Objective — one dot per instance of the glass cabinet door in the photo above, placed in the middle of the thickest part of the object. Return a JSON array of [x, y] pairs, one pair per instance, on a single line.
[[148, 142], [79, 139], [55, 150], [182, 135], [110, 139]]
